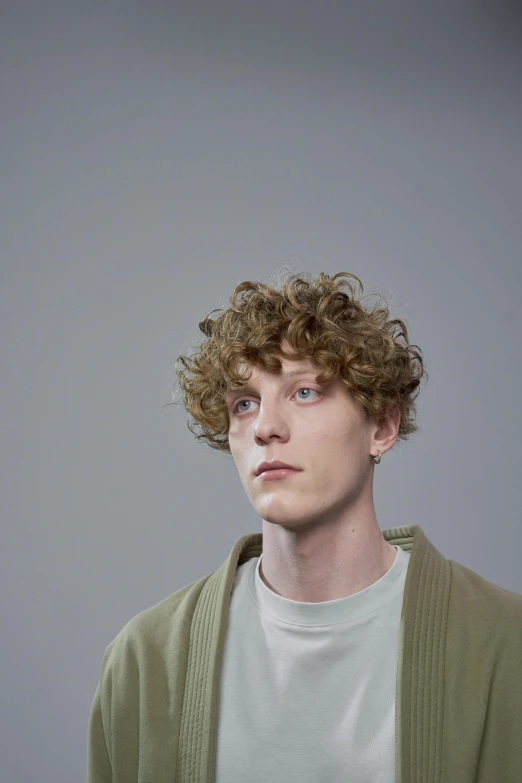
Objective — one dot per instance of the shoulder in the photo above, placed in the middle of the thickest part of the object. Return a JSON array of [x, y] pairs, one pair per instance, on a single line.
[[485, 606], [475, 588], [155, 628]]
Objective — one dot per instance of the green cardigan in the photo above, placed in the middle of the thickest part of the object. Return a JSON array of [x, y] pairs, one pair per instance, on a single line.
[[459, 678]]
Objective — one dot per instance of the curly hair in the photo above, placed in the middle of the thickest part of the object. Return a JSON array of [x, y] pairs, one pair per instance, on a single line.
[[318, 320]]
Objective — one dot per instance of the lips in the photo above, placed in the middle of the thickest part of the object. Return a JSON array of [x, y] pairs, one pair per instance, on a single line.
[[274, 465]]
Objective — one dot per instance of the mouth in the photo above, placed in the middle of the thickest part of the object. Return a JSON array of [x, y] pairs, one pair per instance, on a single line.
[[277, 473], [274, 464]]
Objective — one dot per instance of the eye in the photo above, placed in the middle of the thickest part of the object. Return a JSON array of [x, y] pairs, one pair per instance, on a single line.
[[235, 409]]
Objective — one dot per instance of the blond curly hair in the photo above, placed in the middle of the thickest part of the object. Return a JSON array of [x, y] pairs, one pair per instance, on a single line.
[[318, 320]]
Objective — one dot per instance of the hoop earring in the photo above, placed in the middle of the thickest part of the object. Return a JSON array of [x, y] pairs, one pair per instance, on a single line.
[[377, 459]]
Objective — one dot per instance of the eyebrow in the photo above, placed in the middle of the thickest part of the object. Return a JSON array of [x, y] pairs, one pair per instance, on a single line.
[[290, 374]]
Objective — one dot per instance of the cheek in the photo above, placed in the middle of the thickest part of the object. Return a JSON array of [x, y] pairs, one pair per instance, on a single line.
[[335, 453], [232, 428], [240, 455], [329, 439]]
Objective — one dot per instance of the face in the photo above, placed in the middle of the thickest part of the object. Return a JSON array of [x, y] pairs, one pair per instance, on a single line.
[[317, 428]]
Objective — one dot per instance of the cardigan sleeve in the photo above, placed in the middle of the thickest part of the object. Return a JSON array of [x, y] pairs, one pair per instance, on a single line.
[[99, 767]]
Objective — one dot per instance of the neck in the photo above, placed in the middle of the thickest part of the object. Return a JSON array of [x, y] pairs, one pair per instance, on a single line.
[[324, 563]]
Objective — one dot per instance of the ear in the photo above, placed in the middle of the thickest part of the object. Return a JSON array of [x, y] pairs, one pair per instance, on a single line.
[[386, 431]]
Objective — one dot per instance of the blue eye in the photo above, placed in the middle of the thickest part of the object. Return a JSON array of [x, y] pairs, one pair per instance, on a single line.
[[302, 388]]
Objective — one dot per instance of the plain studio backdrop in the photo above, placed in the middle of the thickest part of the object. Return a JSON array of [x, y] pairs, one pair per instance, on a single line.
[[153, 156]]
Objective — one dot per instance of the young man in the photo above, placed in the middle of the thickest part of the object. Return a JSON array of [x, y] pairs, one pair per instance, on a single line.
[[322, 649]]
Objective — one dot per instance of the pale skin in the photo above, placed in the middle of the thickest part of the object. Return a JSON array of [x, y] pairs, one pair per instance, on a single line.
[[321, 538]]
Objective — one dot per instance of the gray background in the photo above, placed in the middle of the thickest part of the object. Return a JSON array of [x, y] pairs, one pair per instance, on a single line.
[[153, 156]]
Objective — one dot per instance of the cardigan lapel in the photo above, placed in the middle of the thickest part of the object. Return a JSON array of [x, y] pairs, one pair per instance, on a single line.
[[421, 659]]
